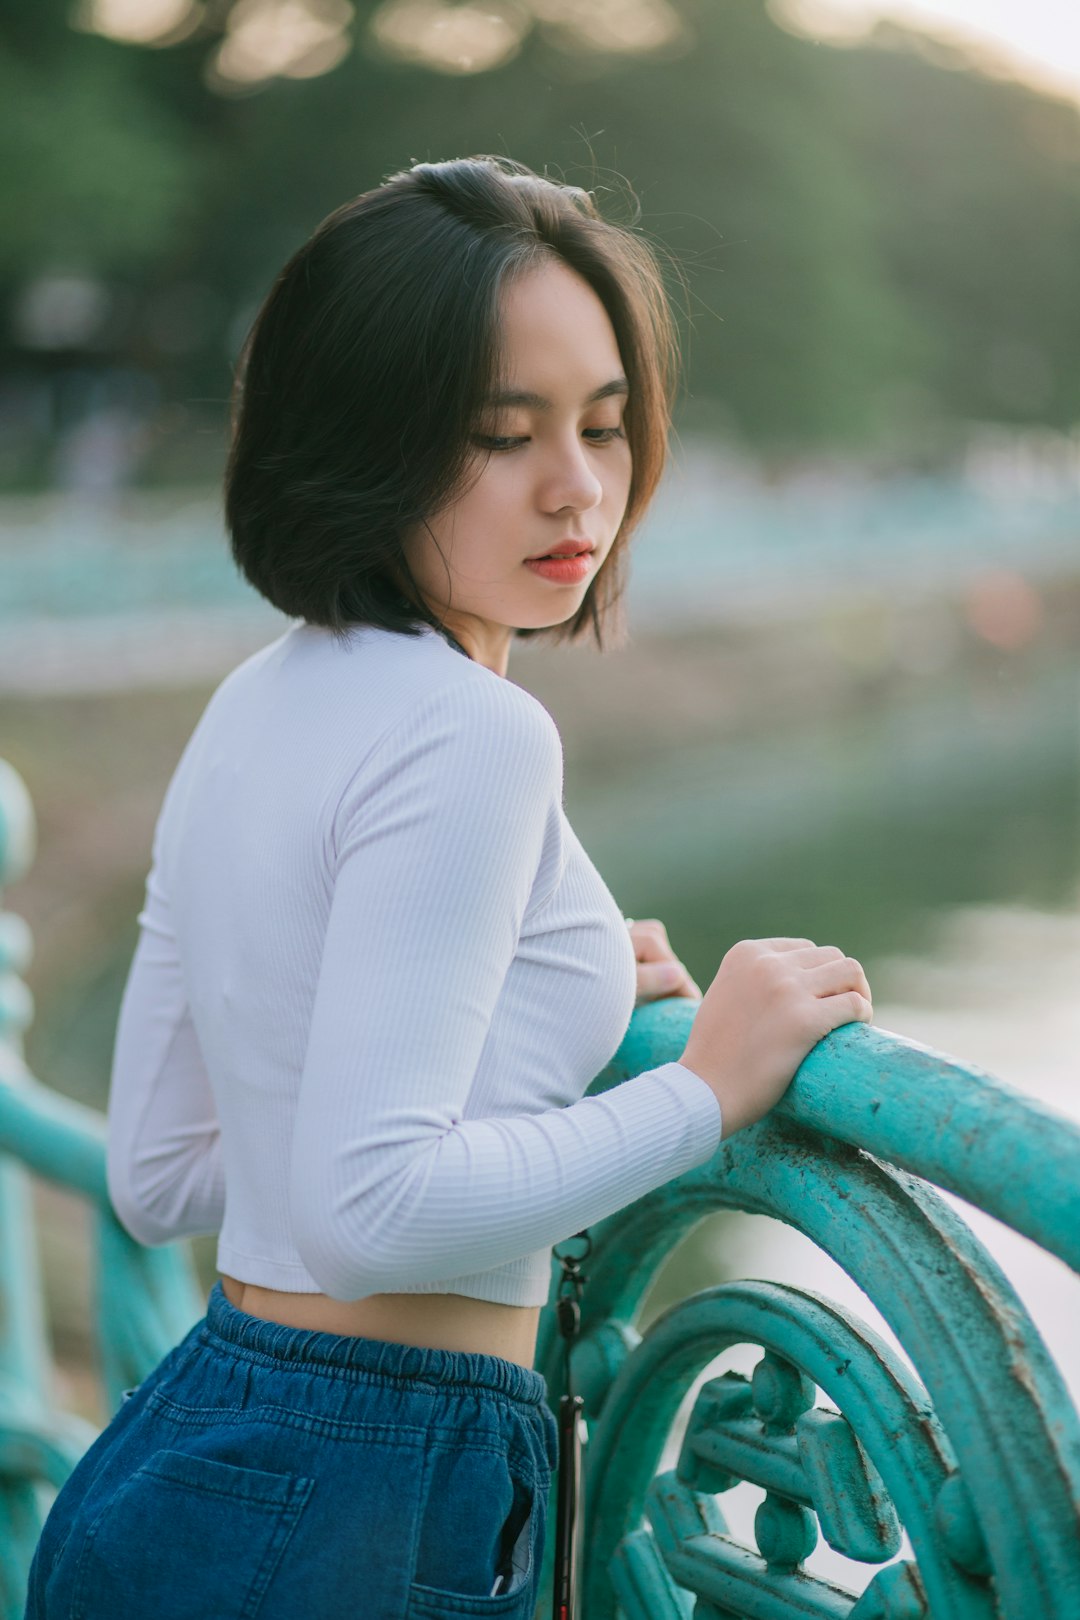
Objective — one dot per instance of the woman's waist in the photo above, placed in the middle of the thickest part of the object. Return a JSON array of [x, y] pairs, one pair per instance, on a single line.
[[434, 1321]]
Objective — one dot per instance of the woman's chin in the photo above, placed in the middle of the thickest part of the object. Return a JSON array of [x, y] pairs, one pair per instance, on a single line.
[[546, 615]]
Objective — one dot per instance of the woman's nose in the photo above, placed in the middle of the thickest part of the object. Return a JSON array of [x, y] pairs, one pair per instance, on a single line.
[[570, 480]]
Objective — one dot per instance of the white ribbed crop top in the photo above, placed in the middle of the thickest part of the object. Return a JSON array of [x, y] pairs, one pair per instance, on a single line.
[[376, 972]]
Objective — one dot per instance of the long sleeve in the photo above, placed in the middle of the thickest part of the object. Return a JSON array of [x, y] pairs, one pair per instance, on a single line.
[[163, 1165], [438, 850]]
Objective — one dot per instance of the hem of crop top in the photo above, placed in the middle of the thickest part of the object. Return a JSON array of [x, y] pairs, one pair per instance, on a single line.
[[528, 1276], [292, 1277]]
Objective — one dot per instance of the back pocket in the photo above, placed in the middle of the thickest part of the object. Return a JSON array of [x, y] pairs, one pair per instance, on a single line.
[[186, 1537]]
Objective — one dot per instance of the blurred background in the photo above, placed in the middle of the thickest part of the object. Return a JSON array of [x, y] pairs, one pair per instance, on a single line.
[[848, 707]]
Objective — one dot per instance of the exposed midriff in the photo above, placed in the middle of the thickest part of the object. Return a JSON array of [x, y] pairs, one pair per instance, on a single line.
[[434, 1321]]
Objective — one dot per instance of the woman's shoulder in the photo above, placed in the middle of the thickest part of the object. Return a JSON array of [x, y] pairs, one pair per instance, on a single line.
[[460, 743], [422, 683], [473, 711], [382, 703], [374, 690], [377, 691]]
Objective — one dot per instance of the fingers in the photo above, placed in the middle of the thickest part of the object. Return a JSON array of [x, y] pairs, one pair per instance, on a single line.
[[665, 978], [830, 973], [824, 970], [659, 971], [650, 940], [843, 973], [839, 983], [809, 954], [849, 1007]]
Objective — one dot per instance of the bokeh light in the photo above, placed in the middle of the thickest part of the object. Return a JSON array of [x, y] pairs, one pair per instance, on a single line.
[[296, 39], [1004, 609], [451, 39], [140, 22]]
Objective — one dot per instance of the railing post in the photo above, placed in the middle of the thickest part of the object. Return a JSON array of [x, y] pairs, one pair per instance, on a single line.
[[25, 1358], [146, 1299], [23, 1353]]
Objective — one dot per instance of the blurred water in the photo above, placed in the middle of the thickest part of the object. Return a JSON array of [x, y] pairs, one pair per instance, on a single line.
[[723, 543]]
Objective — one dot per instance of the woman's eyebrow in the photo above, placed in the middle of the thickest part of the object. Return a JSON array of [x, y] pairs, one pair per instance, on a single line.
[[618, 385]]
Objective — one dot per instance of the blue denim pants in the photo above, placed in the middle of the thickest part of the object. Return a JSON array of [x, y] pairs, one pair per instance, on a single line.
[[264, 1472]]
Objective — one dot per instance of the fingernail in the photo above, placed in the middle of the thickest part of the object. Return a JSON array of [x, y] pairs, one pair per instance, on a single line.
[[670, 974]]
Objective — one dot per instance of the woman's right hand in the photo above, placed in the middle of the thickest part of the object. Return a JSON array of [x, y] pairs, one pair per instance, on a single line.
[[771, 1001]]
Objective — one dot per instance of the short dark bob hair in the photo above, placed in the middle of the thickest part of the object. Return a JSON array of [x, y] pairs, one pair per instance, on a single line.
[[363, 377]]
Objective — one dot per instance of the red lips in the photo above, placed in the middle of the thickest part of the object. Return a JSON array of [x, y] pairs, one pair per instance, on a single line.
[[564, 548]]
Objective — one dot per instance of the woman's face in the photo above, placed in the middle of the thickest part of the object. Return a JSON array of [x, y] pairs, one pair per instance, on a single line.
[[551, 464]]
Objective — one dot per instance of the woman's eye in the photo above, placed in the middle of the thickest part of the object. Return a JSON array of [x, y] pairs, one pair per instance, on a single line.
[[489, 441]]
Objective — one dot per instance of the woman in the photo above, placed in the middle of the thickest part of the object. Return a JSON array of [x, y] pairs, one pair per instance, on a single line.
[[376, 969]]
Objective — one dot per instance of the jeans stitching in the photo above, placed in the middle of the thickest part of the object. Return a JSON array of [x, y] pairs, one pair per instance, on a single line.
[[284, 1526], [206, 1488], [400, 1435], [422, 1435]]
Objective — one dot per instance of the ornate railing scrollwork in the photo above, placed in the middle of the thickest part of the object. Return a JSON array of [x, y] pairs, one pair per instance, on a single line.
[[975, 1454]]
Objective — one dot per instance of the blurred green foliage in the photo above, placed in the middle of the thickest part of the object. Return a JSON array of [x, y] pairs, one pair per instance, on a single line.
[[876, 243], [105, 179]]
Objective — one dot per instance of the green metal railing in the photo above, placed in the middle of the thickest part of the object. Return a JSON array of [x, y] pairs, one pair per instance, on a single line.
[[973, 1449], [145, 1299]]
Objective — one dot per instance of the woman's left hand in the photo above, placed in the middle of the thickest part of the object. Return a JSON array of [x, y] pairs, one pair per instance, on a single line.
[[659, 971]]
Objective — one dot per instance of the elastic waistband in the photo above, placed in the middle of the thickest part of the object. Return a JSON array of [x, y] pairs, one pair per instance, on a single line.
[[384, 1357]]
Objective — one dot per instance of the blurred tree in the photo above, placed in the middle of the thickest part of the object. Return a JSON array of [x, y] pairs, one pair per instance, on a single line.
[[100, 177], [978, 225], [870, 239], [730, 143]]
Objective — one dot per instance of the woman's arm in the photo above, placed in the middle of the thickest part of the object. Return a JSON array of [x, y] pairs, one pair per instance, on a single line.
[[163, 1164], [437, 859]]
